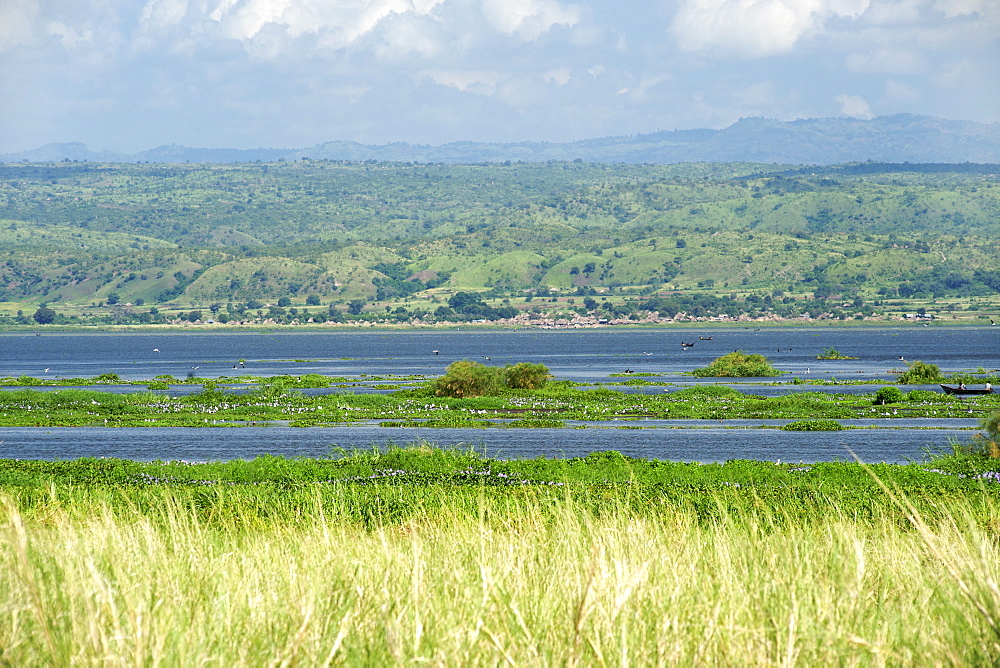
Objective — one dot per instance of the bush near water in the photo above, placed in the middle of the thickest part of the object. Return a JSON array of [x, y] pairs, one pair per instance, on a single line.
[[920, 373], [466, 378], [738, 364]]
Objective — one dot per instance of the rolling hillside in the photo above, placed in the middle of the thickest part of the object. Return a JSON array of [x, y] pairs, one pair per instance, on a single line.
[[78, 234]]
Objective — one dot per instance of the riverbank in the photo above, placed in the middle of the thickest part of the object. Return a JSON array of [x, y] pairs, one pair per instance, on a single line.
[[264, 327]]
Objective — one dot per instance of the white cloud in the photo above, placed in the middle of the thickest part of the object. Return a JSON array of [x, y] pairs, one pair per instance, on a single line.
[[17, 22], [288, 72], [529, 18], [69, 24], [401, 36], [984, 8], [854, 106], [560, 76], [158, 14], [895, 12], [467, 81], [70, 36], [754, 28], [269, 26]]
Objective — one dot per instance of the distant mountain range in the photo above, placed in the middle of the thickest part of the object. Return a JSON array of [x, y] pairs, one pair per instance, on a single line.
[[898, 138]]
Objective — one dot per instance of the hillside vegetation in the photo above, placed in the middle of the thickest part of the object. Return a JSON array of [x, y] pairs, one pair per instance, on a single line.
[[729, 237]]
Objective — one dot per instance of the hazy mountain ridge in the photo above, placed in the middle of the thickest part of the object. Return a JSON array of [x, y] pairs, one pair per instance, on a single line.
[[897, 138]]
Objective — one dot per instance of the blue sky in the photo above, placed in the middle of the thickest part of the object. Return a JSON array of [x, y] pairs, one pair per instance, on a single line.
[[127, 75]]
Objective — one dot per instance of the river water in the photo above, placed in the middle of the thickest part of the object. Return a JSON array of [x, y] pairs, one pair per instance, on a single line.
[[579, 355]]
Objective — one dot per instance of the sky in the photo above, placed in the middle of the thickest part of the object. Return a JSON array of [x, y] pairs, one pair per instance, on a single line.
[[128, 75]]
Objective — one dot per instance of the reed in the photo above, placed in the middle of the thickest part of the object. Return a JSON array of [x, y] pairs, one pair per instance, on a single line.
[[491, 576]]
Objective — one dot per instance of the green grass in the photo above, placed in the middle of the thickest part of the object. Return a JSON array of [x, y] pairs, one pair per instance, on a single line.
[[442, 556]]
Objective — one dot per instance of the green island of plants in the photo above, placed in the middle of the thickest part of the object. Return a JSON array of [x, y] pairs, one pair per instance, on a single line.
[[738, 364], [812, 425], [418, 554], [834, 354], [469, 394]]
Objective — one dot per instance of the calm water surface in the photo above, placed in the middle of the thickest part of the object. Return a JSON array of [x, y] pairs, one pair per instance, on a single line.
[[570, 354], [712, 444], [588, 356]]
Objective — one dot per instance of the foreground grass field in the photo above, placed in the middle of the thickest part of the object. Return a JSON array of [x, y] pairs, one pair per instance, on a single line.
[[423, 555]]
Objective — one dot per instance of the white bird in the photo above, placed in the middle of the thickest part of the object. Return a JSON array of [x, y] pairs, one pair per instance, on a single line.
[[156, 350], [46, 371]]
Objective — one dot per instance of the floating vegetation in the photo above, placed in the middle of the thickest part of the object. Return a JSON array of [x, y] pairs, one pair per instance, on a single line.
[[834, 354], [813, 425], [283, 398]]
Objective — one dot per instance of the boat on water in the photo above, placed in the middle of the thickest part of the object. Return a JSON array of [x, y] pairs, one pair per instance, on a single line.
[[952, 389], [704, 338]]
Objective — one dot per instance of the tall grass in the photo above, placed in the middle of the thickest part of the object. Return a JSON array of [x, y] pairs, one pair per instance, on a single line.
[[492, 577]]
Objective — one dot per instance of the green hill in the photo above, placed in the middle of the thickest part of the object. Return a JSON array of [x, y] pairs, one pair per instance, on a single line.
[[79, 234]]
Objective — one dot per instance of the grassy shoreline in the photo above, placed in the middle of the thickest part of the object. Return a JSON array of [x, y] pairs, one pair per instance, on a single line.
[[421, 554]]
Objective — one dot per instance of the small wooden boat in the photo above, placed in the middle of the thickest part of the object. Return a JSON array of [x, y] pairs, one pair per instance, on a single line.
[[951, 389], [704, 338]]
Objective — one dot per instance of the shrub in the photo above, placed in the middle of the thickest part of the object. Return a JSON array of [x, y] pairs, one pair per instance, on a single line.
[[466, 378], [472, 379], [526, 376], [986, 445], [888, 395], [991, 425], [738, 364], [920, 373], [991, 439]]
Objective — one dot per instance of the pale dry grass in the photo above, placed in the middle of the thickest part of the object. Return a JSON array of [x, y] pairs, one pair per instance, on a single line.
[[525, 588]]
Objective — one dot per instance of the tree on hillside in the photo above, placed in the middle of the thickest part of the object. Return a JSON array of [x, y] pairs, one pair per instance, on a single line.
[[44, 316]]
